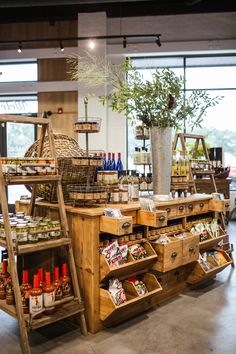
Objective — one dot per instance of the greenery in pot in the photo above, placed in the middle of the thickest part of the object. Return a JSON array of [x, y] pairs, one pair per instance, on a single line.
[[158, 102]]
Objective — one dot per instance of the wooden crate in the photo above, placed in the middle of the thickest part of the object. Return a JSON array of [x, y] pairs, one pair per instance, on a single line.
[[199, 274], [170, 209], [219, 205], [116, 226], [111, 313], [152, 218], [131, 267], [169, 255], [212, 241], [190, 248]]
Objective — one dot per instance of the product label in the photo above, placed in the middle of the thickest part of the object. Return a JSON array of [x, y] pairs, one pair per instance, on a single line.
[[36, 304], [49, 299]]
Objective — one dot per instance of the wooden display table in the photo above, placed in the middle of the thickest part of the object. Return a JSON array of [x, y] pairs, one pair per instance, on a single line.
[[165, 271]]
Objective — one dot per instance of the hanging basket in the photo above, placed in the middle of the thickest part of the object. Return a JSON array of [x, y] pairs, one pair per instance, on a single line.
[[66, 149]]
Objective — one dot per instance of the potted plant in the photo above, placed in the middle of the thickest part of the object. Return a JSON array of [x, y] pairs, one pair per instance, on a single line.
[[159, 103]]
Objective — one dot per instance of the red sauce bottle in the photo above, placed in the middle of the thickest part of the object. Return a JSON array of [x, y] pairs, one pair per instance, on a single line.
[[57, 286], [3, 276], [10, 299], [36, 297], [65, 281], [41, 278], [48, 295], [25, 291]]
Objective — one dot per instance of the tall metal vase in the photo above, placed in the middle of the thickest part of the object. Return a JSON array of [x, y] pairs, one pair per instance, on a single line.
[[161, 144]]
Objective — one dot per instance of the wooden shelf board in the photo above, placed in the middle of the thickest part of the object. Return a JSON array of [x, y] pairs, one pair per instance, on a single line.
[[32, 179], [21, 119], [39, 246], [69, 309]]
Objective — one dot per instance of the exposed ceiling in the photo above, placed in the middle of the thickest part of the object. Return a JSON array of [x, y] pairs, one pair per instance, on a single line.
[[32, 10]]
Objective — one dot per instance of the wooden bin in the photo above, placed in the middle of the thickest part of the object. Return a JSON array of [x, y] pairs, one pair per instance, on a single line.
[[212, 241], [131, 267], [219, 205], [152, 218], [170, 209], [111, 313], [199, 274], [190, 248], [116, 226], [169, 255]]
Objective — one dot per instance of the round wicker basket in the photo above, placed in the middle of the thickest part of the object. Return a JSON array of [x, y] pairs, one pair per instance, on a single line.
[[66, 149]]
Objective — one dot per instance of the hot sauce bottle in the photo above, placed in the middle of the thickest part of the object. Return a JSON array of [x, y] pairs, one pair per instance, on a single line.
[[36, 297], [3, 276], [57, 286], [48, 295], [41, 278], [65, 281], [10, 300], [25, 291]]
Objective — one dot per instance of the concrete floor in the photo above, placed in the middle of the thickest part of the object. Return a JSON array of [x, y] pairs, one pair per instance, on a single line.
[[202, 320]]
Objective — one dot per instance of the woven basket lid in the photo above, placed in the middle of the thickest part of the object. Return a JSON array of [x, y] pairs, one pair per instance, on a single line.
[[65, 147]]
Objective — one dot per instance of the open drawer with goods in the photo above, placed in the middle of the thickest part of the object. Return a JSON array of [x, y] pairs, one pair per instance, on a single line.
[[208, 265], [119, 257], [122, 299], [209, 232], [115, 223]]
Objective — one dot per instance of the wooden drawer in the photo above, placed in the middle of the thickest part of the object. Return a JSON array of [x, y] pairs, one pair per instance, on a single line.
[[116, 226], [111, 313], [190, 208], [201, 206], [219, 205], [212, 241], [181, 210], [132, 266], [176, 276], [171, 211], [152, 218], [190, 248], [198, 274], [133, 214], [169, 255]]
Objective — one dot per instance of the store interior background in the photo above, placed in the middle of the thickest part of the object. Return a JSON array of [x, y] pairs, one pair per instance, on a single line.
[[210, 32]]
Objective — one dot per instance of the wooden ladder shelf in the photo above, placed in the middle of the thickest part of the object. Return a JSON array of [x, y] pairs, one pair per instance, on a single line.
[[75, 306]]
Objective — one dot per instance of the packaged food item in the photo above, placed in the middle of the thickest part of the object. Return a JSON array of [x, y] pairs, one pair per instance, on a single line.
[[139, 286], [163, 240], [124, 251], [113, 254], [217, 257], [204, 262], [138, 251], [117, 292]]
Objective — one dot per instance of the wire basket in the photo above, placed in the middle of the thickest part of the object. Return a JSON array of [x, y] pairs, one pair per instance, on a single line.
[[89, 125], [81, 193], [66, 149]]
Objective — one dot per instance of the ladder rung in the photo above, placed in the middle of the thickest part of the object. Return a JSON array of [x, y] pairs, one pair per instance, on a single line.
[[21, 119]]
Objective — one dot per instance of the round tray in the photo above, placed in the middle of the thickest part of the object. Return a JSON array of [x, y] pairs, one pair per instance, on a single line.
[[91, 125]]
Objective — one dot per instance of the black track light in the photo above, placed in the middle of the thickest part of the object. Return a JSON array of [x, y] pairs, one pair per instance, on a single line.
[[158, 41], [61, 46], [124, 42]]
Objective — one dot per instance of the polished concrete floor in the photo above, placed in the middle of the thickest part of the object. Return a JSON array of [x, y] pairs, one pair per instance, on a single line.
[[199, 321]]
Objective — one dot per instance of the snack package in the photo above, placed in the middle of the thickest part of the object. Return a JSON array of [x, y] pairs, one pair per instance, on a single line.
[[163, 240], [215, 229], [204, 262], [117, 292], [139, 286], [217, 257], [124, 252], [113, 254], [138, 251]]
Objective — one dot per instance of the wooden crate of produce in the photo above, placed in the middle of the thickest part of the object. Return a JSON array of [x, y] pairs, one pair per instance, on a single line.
[[198, 274], [111, 313], [131, 267], [152, 218], [170, 255], [116, 226]]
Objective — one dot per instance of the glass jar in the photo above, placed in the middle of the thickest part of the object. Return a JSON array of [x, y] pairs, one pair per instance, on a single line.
[[124, 196], [2, 230], [33, 237], [56, 232], [115, 196], [43, 236], [21, 234]]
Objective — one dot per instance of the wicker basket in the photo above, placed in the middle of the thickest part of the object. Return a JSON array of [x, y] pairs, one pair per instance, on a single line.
[[66, 149]]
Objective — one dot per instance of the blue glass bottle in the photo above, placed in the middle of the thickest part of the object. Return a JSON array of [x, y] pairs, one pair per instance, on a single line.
[[113, 162], [119, 164]]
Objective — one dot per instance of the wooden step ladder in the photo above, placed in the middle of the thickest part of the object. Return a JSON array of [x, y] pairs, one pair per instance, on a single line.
[[75, 306]]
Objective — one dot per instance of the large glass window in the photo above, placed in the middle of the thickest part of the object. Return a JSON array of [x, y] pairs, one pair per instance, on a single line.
[[216, 75]]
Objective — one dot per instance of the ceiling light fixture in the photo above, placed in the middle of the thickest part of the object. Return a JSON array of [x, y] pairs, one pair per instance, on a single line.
[[124, 42], [61, 46], [158, 41], [19, 49]]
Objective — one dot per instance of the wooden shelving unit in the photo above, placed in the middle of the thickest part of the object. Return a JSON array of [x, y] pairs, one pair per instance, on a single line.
[[73, 307]]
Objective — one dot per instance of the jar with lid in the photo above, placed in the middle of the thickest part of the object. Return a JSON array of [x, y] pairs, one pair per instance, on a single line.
[[13, 231], [43, 235], [2, 230], [21, 234], [55, 233], [32, 236], [115, 196]]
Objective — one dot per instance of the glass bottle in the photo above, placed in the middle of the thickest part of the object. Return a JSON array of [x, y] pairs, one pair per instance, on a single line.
[[108, 162], [3, 277], [134, 187], [57, 286], [65, 281], [113, 163], [41, 277], [119, 164], [48, 295], [10, 300], [25, 288], [36, 298]]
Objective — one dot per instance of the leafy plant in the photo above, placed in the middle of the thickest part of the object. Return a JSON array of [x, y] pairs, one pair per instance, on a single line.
[[159, 101]]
